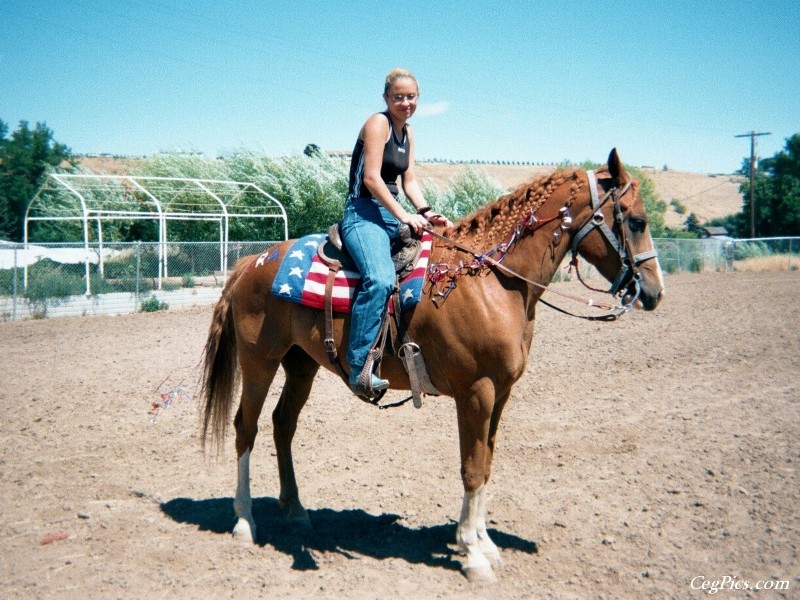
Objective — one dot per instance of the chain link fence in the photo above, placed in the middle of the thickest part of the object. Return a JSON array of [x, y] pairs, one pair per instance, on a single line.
[[727, 254], [51, 280]]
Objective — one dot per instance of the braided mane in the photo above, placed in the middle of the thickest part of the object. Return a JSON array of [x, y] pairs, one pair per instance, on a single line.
[[491, 224]]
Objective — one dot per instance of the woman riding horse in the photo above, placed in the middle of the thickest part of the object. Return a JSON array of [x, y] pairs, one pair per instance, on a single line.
[[475, 339]]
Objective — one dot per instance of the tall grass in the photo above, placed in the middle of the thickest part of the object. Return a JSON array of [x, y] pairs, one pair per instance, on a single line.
[[313, 189], [467, 191], [775, 262]]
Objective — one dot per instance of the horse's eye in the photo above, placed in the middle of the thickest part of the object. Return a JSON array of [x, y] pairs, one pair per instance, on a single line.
[[636, 224]]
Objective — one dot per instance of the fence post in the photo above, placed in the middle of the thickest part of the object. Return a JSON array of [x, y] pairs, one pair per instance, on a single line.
[[138, 273], [14, 277]]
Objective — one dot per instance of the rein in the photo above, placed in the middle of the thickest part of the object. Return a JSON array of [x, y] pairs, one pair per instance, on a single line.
[[483, 259]]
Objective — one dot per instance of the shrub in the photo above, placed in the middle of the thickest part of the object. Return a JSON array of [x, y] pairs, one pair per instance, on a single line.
[[48, 281], [679, 207], [469, 190], [7, 277], [745, 250], [654, 207], [696, 264], [670, 267], [153, 304]]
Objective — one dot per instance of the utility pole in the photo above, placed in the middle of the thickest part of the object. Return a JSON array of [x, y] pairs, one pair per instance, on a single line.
[[752, 135]]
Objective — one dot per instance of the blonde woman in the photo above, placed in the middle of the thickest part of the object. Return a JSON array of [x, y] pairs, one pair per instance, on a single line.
[[384, 150]]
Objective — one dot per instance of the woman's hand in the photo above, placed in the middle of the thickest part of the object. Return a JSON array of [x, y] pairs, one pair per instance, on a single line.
[[418, 223], [437, 219]]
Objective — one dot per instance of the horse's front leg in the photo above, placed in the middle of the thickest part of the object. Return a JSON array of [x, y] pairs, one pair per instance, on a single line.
[[488, 547], [474, 424]]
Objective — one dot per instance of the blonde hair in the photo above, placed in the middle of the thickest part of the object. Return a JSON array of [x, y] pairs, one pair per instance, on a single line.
[[394, 75]]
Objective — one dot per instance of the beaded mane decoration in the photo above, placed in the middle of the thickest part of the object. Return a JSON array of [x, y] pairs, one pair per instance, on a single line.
[[498, 227]]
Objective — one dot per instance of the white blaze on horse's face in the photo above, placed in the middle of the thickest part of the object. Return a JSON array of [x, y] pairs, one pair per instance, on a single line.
[[636, 236]]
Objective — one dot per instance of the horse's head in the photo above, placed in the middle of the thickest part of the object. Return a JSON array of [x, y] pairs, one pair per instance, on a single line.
[[611, 232]]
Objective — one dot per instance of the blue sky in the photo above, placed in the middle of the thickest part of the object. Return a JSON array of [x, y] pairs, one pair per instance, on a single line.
[[667, 83]]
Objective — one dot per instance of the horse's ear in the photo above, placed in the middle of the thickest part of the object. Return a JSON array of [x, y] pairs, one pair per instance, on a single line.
[[615, 167]]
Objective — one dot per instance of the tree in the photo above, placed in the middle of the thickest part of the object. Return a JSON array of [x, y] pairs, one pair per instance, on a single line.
[[776, 189], [24, 160], [312, 151], [692, 224]]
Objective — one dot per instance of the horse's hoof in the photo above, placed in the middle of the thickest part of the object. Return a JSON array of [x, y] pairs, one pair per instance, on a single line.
[[244, 532], [483, 574], [495, 560]]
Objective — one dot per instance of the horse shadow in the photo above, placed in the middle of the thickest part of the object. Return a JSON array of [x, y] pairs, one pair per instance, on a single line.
[[347, 532]]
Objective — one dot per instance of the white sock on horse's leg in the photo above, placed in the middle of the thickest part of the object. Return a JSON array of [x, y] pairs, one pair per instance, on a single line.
[[245, 528], [476, 566], [487, 546]]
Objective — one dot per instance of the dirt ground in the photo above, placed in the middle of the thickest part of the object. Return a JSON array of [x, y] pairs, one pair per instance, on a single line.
[[637, 460]]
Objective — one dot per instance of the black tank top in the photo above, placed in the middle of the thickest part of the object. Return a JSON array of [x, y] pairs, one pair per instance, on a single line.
[[395, 162]]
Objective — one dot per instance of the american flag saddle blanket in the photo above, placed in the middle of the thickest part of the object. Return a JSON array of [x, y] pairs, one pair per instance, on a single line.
[[302, 275]]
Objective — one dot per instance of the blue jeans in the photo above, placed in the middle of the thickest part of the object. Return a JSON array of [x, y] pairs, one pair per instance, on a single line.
[[367, 229]]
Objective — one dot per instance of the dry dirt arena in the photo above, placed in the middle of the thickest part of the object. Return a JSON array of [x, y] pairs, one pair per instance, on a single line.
[[637, 459]]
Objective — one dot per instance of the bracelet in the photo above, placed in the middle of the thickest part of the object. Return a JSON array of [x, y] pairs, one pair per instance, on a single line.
[[423, 210]]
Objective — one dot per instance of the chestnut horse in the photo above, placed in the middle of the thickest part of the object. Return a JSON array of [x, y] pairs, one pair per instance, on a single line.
[[599, 215]]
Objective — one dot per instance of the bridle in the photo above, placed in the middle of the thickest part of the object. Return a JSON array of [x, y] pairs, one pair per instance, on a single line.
[[629, 262]]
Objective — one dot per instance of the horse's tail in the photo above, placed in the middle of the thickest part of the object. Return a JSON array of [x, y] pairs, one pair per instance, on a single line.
[[220, 368]]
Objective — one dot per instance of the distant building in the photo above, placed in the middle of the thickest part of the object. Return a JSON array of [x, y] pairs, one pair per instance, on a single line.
[[714, 232]]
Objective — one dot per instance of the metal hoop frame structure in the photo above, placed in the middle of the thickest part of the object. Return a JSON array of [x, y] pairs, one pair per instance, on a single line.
[[93, 199]]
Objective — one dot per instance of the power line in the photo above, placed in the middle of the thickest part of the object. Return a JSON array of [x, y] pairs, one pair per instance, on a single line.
[[752, 135], [713, 187]]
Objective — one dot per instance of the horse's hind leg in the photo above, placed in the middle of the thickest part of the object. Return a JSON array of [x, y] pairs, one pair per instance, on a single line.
[[254, 392], [300, 370]]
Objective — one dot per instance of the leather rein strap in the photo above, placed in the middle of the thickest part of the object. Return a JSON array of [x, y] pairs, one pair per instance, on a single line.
[[511, 272]]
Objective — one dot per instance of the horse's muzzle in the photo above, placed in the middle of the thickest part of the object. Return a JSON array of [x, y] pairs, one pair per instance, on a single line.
[[642, 294]]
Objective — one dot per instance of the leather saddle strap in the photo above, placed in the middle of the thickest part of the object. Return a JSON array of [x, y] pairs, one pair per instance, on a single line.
[[330, 344], [334, 266]]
